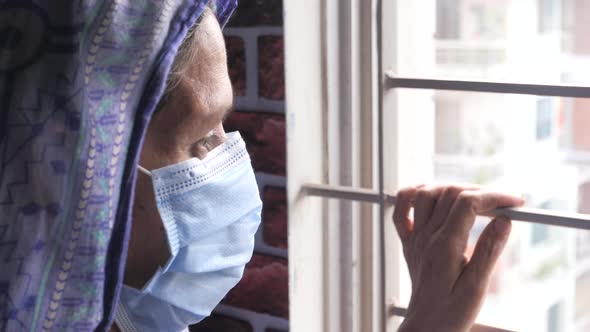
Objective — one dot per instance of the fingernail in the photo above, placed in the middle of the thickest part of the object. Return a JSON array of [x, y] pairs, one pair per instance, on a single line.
[[502, 225]]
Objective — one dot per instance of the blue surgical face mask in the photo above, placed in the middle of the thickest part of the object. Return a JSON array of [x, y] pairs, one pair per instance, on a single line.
[[211, 210]]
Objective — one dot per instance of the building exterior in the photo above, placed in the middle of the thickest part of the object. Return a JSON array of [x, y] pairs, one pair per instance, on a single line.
[[532, 145]]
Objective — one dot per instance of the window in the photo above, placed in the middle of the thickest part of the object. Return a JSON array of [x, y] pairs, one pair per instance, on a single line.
[[540, 234], [487, 19], [555, 318], [549, 11], [447, 21], [401, 106], [505, 140], [582, 316], [448, 136], [545, 118]]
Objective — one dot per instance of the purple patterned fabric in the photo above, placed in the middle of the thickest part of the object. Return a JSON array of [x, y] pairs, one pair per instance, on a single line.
[[79, 80]]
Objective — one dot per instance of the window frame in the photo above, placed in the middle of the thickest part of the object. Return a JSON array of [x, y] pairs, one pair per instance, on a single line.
[[311, 33], [330, 118]]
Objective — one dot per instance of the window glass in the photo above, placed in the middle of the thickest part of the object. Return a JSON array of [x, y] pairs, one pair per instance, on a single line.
[[536, 41], [529, 145], [545, 118]]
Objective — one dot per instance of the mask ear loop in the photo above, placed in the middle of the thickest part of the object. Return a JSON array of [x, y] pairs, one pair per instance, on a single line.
[[144, 171]]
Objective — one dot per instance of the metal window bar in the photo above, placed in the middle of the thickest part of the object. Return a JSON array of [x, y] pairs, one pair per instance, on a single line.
[[547, 217], [401, 312], [391, 81], [560, 90], [537, 216]]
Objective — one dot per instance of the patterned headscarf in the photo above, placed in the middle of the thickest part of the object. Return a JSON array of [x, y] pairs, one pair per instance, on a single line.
[[79, 80]]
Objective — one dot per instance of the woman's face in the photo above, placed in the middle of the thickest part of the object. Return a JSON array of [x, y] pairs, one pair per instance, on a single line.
[[188, 125]]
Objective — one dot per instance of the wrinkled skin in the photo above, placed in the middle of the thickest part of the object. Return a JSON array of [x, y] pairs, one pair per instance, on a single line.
[[189, 125], [448, 289]]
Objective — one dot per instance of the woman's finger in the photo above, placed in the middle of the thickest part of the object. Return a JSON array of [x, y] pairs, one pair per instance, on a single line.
[[466, 207], [425, 201], [444, 204], [403, 205], [487, 251]]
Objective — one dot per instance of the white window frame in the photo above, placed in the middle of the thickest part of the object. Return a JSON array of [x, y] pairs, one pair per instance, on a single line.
[[330, 140], [330, 47]]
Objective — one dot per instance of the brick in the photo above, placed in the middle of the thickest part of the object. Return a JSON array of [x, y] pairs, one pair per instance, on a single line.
[[258, 12], [263, 288], [274, 216], [236, 61], [264, 134], [217, 323], [271, 67]]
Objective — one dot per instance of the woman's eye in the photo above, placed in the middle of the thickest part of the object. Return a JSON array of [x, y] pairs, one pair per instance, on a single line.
[[208, 143]]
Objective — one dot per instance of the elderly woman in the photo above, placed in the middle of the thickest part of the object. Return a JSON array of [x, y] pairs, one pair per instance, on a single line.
[[197, 205], [126, 207], [92, 91]]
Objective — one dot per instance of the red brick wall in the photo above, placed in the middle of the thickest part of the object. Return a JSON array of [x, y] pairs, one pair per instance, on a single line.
[[255, 58]]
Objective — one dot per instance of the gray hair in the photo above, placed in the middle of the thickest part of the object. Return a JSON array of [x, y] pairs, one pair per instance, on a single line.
[[186, 54]]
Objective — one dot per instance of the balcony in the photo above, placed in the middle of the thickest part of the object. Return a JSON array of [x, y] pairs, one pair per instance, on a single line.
[[476, 53], [575, 68], [471, 59], [502, 59], [469, 169]]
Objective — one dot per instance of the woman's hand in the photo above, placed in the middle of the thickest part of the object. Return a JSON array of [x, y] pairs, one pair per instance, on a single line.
[[447, 288]]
